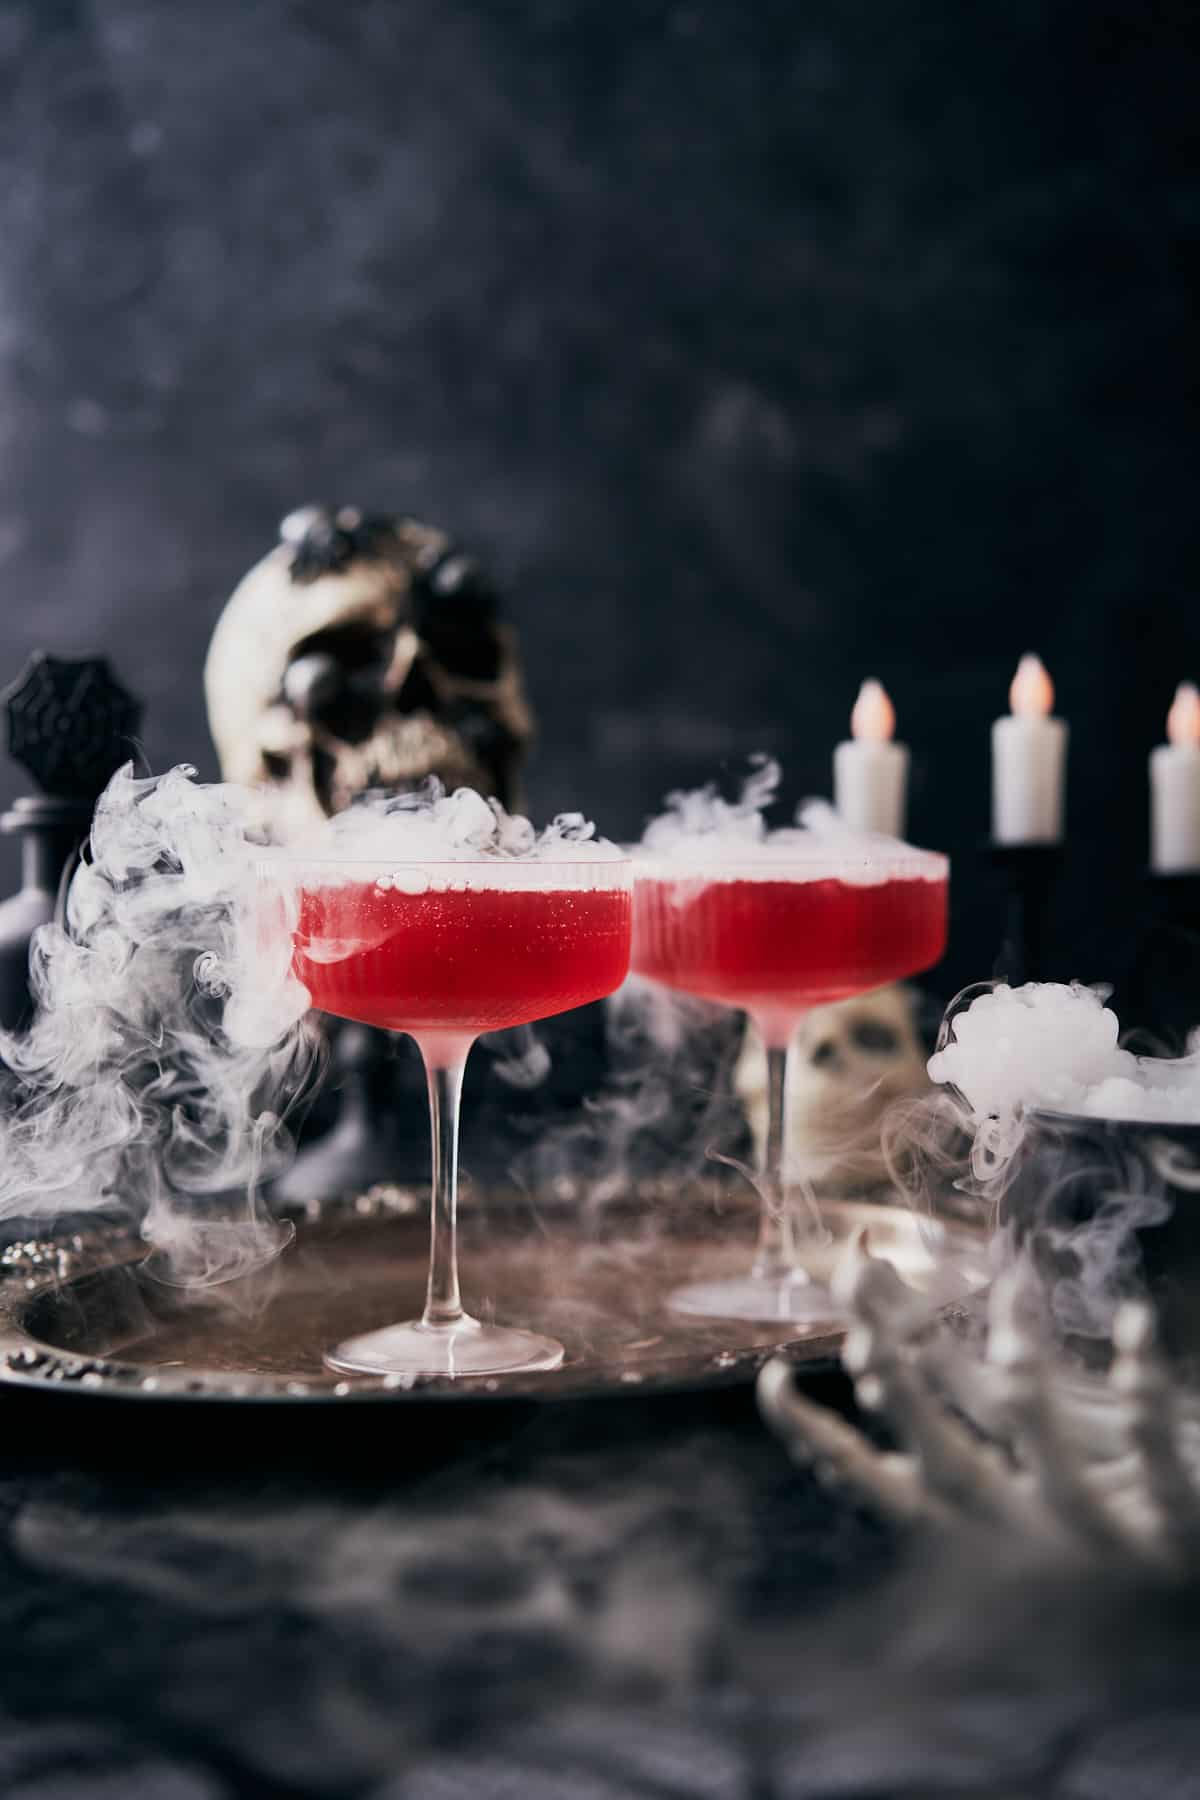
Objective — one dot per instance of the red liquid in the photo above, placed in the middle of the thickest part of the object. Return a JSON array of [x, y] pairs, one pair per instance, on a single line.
[[458, 961], [775, 948]]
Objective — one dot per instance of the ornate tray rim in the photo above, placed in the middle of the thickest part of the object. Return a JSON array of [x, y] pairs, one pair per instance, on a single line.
[[32, 1268]]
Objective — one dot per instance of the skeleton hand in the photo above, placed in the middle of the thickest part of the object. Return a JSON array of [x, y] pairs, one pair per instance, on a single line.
[[1096, 1469]]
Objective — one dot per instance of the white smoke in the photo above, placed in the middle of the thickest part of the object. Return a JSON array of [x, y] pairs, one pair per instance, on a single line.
[[167, 1041], [1037, 1079], [668, 1107], [428, 825], [701, 833], [1057, 1047], [696, 815]]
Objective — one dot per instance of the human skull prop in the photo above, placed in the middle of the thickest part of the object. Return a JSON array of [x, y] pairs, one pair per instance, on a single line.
[[363, 652], [849, 1062]]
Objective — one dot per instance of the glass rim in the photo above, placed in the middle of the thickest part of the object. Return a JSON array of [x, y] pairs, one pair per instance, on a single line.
[[906, 858], [269, 860], [1164, 1125]]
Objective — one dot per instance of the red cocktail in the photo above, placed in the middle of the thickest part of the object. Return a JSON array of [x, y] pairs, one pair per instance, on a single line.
[[777, 947], [775, 934], [449, 963], [444, 952]]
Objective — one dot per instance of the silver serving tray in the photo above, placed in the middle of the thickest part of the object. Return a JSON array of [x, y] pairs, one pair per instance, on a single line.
[[86, 1314]]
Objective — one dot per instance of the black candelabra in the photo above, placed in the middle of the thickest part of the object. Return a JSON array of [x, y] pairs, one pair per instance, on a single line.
[[1158, 994], [1156, 975], [1029, 873]]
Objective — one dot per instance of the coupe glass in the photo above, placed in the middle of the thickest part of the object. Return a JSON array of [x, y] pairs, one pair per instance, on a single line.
[[446, 951], [775, 935]]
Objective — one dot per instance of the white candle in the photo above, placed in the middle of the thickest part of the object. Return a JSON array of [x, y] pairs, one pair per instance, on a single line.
[[870, 772], [1175, 788], [1029, 751]]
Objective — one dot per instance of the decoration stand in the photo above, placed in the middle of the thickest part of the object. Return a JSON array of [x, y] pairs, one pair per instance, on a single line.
[[1159, 997], [374, 1141], [1029, 872]]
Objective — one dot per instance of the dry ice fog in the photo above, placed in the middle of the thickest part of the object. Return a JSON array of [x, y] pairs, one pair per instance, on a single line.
[[172, 1046]]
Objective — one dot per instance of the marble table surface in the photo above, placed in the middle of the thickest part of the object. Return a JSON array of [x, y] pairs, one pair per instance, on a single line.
[[590, 1601]]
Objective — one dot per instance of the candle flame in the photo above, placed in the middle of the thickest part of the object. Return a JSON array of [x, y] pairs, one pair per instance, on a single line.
[[1183, 720], [874, 717], [1031, 695]]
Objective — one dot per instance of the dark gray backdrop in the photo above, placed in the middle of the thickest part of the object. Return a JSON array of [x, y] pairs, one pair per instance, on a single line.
[[760, 347]]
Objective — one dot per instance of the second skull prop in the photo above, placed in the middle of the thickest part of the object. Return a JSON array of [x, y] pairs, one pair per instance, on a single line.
[[855, 1058]]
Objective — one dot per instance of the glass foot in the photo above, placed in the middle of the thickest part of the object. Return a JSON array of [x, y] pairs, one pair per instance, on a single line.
[[465, 1348], [794, 1299]]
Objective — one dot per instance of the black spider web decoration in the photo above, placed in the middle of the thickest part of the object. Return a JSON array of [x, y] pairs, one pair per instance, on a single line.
[[70, 724]]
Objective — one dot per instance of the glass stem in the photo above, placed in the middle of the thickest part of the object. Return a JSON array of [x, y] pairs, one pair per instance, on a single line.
[[776, 1255], [443, 1305]]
